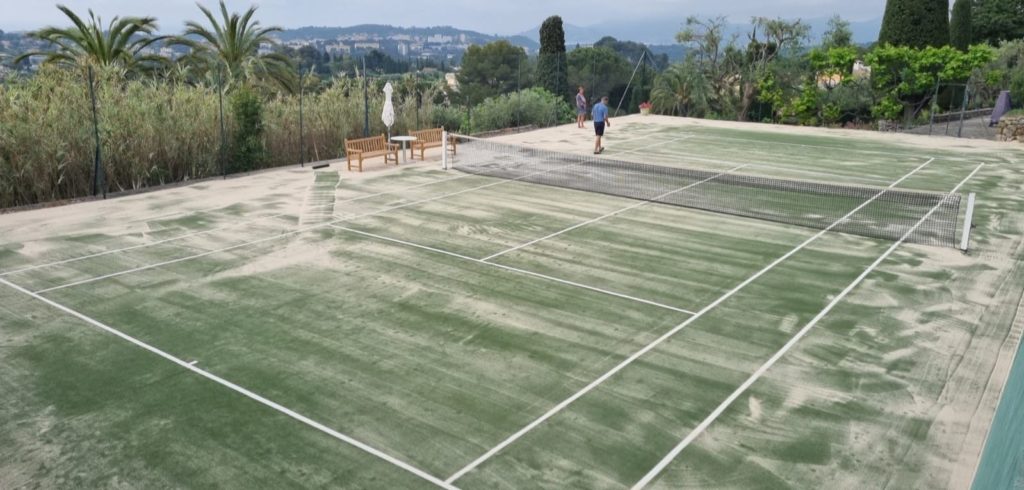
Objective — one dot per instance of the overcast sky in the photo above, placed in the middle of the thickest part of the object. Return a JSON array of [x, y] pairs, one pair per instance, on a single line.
[[487, 16]]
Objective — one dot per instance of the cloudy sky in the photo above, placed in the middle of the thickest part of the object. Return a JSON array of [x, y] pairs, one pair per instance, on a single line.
[[488, 16]]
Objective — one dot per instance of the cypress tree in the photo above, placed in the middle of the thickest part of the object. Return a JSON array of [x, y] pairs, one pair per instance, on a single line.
[[960, 31], [915, 23], [552, 72]]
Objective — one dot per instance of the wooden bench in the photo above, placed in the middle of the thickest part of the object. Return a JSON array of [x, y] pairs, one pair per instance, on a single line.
[[430, 138], [374, 146]]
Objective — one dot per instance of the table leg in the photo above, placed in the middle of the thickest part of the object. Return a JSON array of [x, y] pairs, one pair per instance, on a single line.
[[404, 159]]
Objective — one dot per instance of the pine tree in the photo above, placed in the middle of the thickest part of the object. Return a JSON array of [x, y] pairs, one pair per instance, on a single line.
[[552, 70], [915, 23], [960, 31]]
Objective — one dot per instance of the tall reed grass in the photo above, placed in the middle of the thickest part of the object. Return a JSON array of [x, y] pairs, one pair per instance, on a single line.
[[154, 132]]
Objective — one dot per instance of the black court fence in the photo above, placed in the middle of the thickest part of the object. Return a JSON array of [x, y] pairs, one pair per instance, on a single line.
[[71, 133]]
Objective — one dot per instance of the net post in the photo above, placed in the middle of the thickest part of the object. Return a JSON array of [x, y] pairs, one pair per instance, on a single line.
[[968, 224], [444, 150]]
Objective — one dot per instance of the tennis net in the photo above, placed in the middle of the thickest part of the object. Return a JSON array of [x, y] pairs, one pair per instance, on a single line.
[[804, 203]]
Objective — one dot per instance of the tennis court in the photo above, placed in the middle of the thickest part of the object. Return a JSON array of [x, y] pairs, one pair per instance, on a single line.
[[531, 317]]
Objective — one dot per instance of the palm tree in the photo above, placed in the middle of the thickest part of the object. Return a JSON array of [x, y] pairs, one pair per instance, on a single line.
[[234, 44], [122, 43], [681, 90]]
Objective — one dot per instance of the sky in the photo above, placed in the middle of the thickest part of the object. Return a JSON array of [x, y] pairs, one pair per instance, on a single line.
[[487, 16]]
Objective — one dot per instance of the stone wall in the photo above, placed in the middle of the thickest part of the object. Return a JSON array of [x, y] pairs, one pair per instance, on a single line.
[[1011, 129]]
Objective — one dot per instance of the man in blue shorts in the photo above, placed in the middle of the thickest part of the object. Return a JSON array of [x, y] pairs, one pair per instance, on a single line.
[[601, 120], [581, 108]]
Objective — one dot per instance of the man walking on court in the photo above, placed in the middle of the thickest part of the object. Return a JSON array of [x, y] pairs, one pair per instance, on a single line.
[[601, 120], [581, 108]]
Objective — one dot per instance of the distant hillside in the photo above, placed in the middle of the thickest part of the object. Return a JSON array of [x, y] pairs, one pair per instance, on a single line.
[[663, 31], [384, 31]]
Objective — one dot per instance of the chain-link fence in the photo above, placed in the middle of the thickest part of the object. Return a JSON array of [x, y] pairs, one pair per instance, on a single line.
[[70, 133], [117, 131]]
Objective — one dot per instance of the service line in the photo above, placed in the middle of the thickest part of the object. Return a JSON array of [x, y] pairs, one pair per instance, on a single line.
[[609, 215]]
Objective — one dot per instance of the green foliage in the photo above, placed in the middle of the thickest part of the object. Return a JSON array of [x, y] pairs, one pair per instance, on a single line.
[[1016, 87], [904, 77], [960, 25], [838, 35], [492, 69], [247, 152], [120, 43], [994, 21], [806, 108], [851, 101], [601, 71], [449, 117], [838, 60], [552, 72], [682, 90], [534, 106], [1006, 71], [915, 23], [632, 51]]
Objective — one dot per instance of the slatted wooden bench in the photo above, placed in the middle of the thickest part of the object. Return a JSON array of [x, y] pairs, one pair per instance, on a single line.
[[374, 146], [430, 138]]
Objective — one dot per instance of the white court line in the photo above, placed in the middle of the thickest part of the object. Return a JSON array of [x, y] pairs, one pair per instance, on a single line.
[[645, 148], [699, 135], [651, 475], [293, 232], [629, 360], [515, 269], [697, 158], [669, 158], [608, 215], [223, 382], [222, 228]]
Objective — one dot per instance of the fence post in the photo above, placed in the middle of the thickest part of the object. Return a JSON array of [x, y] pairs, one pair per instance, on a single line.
[[302, 146], [444, 149], [97, 171], [963, 108], [630, 83], [935, 101], [223, 133], [593, 71], [366, 101], [519, 92], [558, 80]]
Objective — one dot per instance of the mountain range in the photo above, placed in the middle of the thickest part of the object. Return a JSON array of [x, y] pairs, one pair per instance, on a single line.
[[383, 31]]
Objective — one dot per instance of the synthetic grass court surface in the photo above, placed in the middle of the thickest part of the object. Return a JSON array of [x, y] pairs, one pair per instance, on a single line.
[[318, 331]]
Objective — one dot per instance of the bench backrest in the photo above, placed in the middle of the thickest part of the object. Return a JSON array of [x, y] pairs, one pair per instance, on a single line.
[[373, 143], [428, 135]]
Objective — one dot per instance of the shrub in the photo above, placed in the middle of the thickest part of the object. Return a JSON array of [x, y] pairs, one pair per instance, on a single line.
[[534, 106], [448, 117], [247, 149]]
